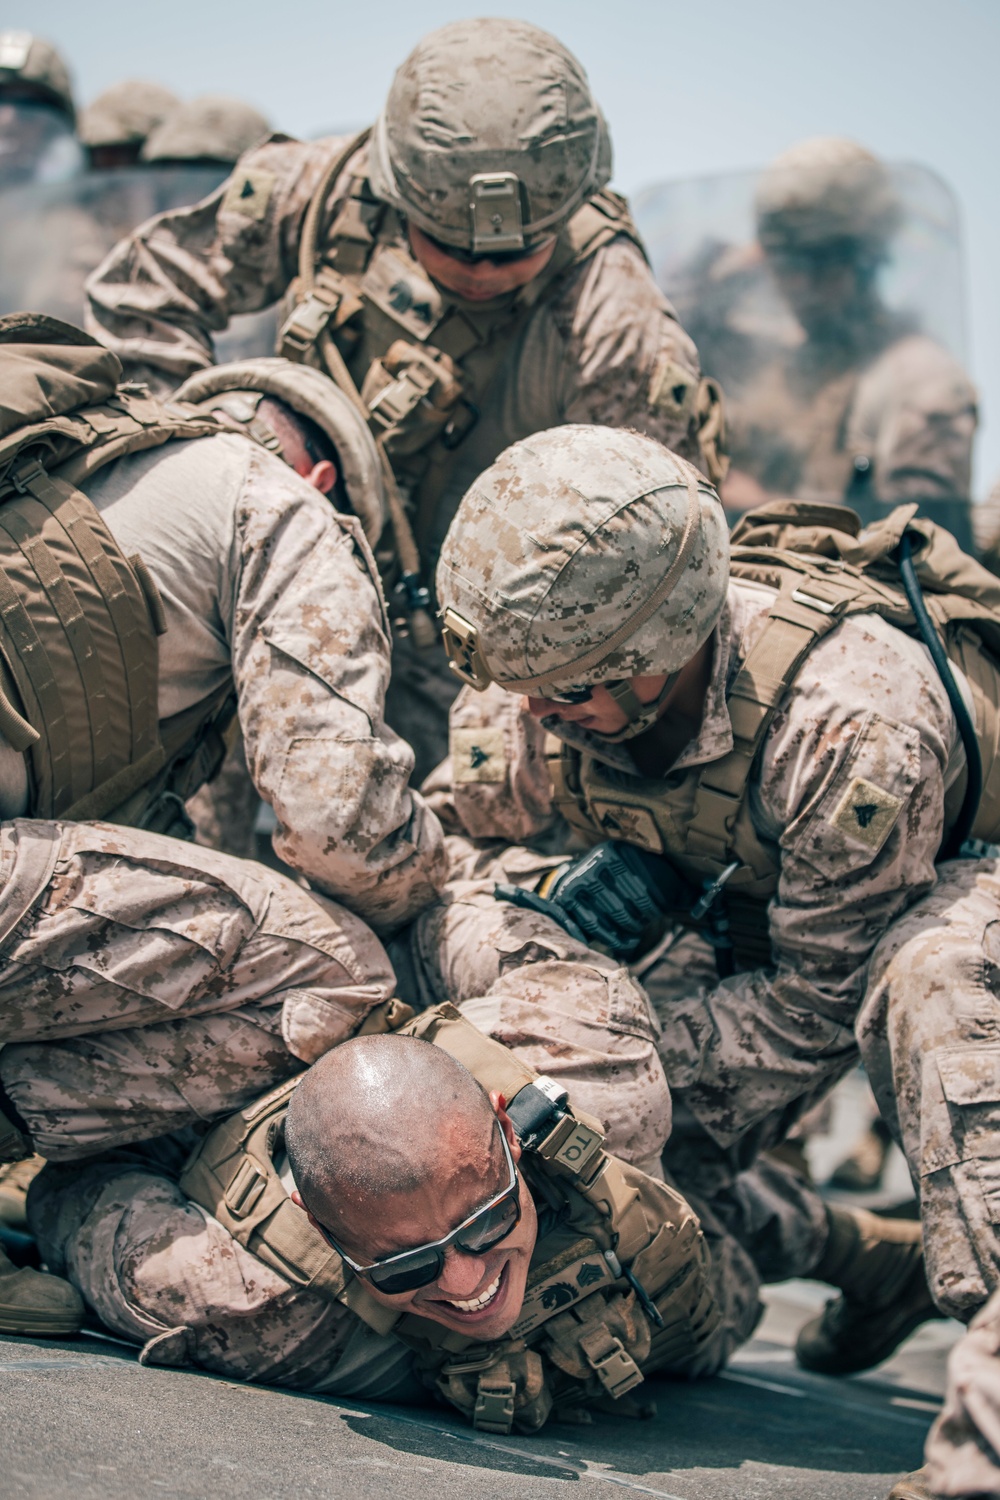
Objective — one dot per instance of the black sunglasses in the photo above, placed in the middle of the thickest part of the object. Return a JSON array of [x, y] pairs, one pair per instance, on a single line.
[[580, 694], [495, 257], [410, 1269]]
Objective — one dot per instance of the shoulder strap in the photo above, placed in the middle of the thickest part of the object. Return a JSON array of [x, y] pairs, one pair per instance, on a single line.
[[807, 609]]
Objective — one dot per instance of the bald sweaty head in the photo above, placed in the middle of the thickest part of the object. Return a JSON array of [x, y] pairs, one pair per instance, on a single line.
[[377, 1118]]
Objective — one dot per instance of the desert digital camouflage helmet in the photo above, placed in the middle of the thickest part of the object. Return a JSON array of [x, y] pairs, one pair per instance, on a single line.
[[490, 137], [583, 555]]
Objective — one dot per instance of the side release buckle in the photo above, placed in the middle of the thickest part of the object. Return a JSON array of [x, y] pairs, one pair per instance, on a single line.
[[394, 402], [304, 325], [494, 1410], [614, 1367]]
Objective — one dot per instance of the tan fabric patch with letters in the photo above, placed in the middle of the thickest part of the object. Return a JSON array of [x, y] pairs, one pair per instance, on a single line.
[[866, 812], [249, 193], [478, 755]]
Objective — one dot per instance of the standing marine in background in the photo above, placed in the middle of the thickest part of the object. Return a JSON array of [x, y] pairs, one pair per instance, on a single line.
[[460, 269], [862, 408], [37, 113]]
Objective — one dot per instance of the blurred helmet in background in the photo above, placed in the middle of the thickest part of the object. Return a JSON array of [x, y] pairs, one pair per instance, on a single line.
[[114, 126], [823, 191], [212, 128], [32, 69]]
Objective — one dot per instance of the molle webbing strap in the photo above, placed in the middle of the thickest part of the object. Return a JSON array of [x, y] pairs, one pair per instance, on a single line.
[[634, 622], [598, 222], [140, 425], [78, 641], [352, 237], [804, 611], [26, 534], [312, 226], [232, 1175]]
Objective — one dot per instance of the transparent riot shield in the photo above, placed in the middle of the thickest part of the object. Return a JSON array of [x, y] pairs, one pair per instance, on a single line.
[[828, 300], [37, 144], [55, 234]]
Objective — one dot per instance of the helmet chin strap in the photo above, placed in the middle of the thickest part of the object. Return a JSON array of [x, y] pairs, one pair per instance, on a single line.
[[639, 715]]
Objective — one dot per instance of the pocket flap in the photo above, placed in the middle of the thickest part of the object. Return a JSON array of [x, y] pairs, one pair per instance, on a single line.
[[970, 1075]]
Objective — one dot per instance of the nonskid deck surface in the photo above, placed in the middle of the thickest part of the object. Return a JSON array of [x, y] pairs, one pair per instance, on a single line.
[[84, 1421]]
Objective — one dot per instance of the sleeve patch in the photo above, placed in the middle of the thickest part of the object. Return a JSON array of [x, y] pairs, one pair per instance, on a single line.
[[478, 755], [866, 812], [249, 193], [672, 388]]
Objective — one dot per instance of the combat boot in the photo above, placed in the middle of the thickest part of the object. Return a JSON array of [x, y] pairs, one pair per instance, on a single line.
[[878, 1265], [37, 1305], [912, 1487], [15, 1179]]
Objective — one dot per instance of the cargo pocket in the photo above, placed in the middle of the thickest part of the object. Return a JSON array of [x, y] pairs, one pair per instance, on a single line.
[[970, 1082]]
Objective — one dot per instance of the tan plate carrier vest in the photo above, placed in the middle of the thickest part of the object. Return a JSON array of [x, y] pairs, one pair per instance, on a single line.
[[423, 365], [824, 571], [581, 1332], [79, 623]]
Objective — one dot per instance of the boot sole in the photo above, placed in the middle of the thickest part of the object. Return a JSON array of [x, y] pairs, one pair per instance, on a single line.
[[40, 1327]]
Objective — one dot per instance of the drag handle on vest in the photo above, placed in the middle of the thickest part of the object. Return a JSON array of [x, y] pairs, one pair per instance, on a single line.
[[973, 760]]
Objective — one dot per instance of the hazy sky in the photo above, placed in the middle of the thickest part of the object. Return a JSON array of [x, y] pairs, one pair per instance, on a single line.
[[686, 89]]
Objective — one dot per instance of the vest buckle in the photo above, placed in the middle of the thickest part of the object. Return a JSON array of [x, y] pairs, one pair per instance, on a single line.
[[494, 1410], [394, 402], [614, 1367], [304, 325], [23, 478]]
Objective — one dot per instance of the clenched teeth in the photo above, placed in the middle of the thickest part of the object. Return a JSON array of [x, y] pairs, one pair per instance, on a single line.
[[476, 1304]]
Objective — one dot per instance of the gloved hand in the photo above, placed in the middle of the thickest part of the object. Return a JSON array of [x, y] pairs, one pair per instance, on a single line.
[[614, 892], [610, 896]]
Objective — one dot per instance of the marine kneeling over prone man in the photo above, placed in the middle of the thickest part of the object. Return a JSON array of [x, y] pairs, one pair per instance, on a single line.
[[790, 749]]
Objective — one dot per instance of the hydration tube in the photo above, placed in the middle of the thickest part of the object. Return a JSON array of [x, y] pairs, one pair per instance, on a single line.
[[966, 728]]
